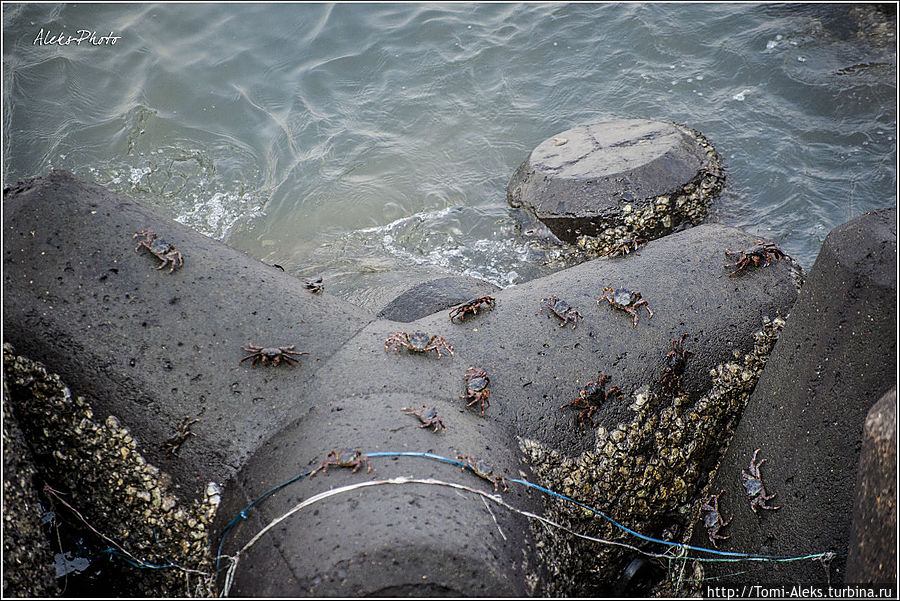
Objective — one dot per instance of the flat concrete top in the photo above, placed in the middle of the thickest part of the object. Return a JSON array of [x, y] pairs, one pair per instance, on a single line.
[[589, 179], [609, 148]]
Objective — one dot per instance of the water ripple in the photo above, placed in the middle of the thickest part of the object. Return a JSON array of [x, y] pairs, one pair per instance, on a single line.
[[293, 130]]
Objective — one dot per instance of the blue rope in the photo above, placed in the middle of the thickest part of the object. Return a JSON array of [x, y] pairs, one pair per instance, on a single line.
[[638, 534], [734, 556], [142, 564], [243, 513]]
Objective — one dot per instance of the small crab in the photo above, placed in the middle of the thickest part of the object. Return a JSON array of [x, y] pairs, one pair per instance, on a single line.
[[625, 246], [590, 397], [478, 388], [344, 458], [273, 355], [713, 519], [314, 286], [754, 486], [760, 255], [174, 442], [562, 309], [626, 300], [427, 415], [418, 342], [471, 306], [675, 363], [483, 469], [160, 248]]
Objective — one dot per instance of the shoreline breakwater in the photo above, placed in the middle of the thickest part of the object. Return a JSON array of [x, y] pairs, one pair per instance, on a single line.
[[161, 353]]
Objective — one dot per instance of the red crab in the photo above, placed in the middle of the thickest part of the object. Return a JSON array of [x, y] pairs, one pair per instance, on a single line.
[[471, 306], [160, 248], [626, 300], [675, 362], [273, 355], [417, 342], [713, 519], [561, 309], [483, 469], [478, 388], [590, 398], [760, 255], [753, 484], [427, 415], [344, 458]]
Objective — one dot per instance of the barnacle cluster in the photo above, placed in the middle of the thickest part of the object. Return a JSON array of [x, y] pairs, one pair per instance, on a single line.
[[645, 473], [652, 218], [96, 463], [28, 569]]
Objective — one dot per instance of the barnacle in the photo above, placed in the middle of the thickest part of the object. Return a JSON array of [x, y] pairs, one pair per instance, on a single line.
[[640, 471]]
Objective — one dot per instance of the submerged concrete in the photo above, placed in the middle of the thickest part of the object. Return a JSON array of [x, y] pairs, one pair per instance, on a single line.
[[602, 183], [152, 347]]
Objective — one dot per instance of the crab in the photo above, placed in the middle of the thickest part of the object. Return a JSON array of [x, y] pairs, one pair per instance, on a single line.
[[273, 355], [625, 246], [483, 469], [760, 255], [753, 484], [675, 362], [427, 415], [471, 306], [174, 442], [160, 248], [344, 458], [562, 309], [713, 519], [590, 397], [626, 300], [418, 342], [314, 286], [478, 388]]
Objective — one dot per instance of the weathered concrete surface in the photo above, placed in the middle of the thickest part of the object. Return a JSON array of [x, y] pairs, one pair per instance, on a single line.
[[82, 301], [386, 282], [535, 367], [837, 354], [872, 556], [97, 468], [433, 296], [152, 347], [618, 178]]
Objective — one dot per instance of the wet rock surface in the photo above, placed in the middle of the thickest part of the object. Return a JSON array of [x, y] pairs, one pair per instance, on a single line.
[[80, 299], [836, 356], [618, 179], [872, 557], [152, 347], [433, 296], [535, 367]]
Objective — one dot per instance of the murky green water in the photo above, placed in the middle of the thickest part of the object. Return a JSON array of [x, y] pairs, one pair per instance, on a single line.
[[348, 140]]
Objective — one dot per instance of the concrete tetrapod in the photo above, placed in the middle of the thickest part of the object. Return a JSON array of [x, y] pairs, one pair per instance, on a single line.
[[152, 347], [418, 539], [835, 359], [613, 180], [872, 557]]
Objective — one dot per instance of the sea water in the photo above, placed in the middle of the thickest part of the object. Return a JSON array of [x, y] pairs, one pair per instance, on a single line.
[[351, 140]]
